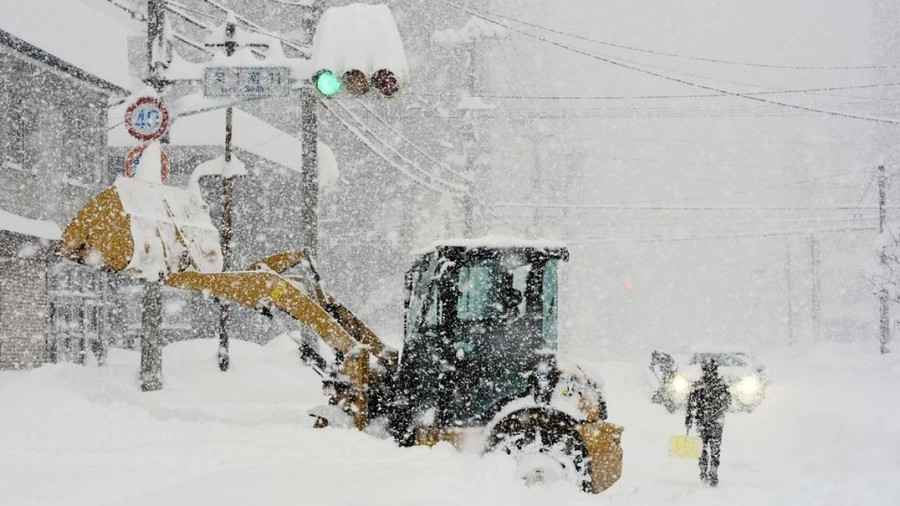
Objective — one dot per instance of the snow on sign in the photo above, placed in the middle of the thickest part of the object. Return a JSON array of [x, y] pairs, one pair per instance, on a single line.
[[247, 81], [133, 161], [147, 119]]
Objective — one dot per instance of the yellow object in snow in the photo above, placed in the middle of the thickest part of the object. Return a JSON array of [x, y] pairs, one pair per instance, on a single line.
[[684, 447]]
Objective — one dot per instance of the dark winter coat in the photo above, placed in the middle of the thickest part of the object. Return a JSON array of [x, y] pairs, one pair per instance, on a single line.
[[707, 403]]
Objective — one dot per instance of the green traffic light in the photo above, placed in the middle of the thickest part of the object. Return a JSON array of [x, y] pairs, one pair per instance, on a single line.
[[328, 83]]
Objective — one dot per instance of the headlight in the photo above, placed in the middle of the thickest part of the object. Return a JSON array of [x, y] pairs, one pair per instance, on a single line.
[[749, 385], [680, 385]]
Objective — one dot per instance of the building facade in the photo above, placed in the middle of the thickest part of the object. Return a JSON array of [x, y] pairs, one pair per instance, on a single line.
[[52, 159]]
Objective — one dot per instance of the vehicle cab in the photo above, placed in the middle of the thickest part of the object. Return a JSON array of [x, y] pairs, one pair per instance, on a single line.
[[480, 321]]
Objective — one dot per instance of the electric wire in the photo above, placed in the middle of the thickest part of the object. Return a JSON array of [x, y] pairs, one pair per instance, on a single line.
[[465, 179], [452, 187], [671, 78], [174, 8], [656, 52], [713, 237], [133, 13], [618, 207], [304, 51], [368, 143], [794, 91]]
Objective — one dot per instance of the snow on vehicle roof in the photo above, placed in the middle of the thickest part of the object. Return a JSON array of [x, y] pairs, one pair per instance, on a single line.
[[358, 36], [27, 226], [58, 27], [250, 134], [494, 242]]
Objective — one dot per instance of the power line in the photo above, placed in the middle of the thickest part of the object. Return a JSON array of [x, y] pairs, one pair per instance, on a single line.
[[182, 12], [698, 238], [440, 165], [359, 135], [259, 29], [671, 78], [723, 61], [296, 3], [794, 91], [452, 187], [134, 14], [619, 207]]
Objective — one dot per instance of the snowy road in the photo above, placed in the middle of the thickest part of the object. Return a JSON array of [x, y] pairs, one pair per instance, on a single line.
[[72, 435]]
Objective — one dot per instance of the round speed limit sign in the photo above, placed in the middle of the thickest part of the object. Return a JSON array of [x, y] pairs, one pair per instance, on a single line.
[[147, 119]]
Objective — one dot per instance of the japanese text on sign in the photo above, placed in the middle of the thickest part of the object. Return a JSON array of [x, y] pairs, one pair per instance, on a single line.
[[247, 81]]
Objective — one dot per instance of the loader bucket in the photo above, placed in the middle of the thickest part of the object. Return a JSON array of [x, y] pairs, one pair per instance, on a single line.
[[147, 229]]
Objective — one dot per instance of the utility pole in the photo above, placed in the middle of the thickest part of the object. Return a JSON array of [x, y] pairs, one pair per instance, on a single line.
[[790, 288], [309, 183], [151, 318], [309, 136], [223, 354], [883, 300], [815, 302]]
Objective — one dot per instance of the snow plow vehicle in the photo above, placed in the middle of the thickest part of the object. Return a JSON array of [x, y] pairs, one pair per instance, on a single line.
[[478, 368]]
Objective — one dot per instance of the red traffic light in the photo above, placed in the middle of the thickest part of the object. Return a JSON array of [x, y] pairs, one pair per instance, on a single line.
[[386, 82]]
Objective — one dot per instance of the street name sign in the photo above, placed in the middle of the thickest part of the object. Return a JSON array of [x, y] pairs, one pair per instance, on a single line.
[[247, 82]]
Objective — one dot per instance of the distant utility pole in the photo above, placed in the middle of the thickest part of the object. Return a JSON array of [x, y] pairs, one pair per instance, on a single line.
[[151, 318], [885, 317], [470, 143], [815, 301], [790, 288]]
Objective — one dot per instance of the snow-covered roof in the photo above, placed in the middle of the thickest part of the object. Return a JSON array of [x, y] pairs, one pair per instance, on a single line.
[[250, 134], [27, 226], [76, 32], [359, 36], [495, 242]]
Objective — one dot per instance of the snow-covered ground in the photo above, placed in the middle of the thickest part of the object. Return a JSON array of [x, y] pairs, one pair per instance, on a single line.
[[829, 433]]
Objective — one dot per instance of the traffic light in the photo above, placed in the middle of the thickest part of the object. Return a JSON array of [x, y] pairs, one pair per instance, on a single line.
[[327, 83], [355, 82], [386, 82]]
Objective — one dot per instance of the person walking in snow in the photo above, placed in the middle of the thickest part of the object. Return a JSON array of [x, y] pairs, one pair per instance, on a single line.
[[707, 403]]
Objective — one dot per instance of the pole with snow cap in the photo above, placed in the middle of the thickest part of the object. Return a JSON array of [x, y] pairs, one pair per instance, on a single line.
[[158, 58]]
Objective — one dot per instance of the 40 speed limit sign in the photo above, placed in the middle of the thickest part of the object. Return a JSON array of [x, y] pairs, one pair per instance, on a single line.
[[147, 119]]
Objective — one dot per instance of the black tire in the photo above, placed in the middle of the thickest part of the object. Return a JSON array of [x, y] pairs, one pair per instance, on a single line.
[[546, 446]]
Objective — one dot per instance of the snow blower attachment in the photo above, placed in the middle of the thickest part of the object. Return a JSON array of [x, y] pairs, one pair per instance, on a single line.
[[479, 366]]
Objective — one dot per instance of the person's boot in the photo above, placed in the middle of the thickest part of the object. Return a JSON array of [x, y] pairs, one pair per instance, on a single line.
[[713, 479], [703, 476]]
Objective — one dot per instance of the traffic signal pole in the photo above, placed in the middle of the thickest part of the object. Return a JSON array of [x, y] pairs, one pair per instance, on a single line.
[[309, 183], [309, 137]]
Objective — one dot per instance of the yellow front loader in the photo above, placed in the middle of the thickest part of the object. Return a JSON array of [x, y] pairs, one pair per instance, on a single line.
[[478, 368]]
